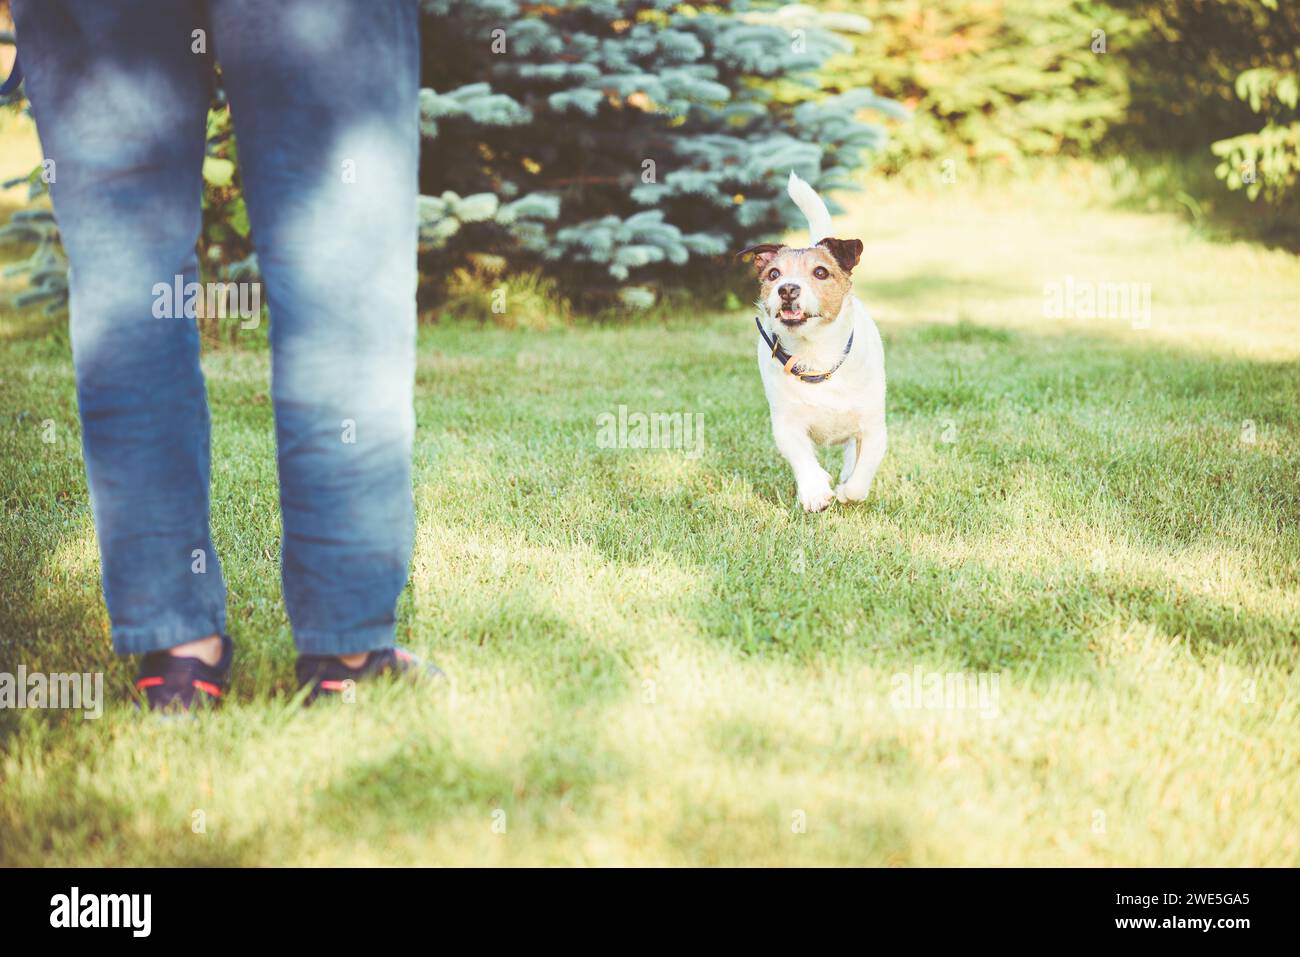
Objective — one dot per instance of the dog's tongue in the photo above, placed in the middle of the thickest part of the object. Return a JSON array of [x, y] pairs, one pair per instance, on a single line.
[[791, 313]]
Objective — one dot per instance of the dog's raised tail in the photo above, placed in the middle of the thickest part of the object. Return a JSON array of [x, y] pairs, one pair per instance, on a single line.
[[812, 206]]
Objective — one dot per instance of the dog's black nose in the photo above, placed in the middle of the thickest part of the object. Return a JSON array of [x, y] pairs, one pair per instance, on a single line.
[[788, 291]]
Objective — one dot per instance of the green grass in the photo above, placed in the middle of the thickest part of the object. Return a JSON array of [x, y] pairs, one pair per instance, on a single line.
[[658, 659]]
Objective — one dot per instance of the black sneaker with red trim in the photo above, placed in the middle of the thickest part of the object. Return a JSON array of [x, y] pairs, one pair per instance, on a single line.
[[171, 683], [329, 677]]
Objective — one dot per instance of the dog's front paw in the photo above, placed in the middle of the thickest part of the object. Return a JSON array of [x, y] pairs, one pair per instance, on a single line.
[[845, 493], [816, 494]]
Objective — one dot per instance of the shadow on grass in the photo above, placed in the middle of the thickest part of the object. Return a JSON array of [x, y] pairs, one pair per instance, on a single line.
[[1185, 184], [932, 282], [427, 784]]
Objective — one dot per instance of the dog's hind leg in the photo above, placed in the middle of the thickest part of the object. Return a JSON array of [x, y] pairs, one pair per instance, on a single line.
[[850, 459], [872, 451]]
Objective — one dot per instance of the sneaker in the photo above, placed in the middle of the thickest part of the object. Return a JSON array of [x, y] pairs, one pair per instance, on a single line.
[[171, 683], [328, 676]]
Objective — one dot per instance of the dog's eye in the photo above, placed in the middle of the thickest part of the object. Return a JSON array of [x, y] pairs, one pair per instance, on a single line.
[[773, 274], [821, 272]]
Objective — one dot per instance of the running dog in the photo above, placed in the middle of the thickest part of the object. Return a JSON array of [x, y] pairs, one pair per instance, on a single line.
[[820, 357]]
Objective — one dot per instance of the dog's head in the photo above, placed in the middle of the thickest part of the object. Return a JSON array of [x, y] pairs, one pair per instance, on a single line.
[[805, 287]]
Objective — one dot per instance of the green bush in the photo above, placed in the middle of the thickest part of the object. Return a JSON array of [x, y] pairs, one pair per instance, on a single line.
[[990, 81], [1223, 75], [1267, 161]]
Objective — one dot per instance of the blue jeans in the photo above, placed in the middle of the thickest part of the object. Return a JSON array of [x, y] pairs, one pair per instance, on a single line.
[[324, 99]]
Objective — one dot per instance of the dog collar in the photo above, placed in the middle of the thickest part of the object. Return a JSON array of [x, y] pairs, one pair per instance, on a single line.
[[787, 360]]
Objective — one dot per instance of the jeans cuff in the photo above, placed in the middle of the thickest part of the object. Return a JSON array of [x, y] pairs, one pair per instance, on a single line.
[[350, 642], [168, 634]]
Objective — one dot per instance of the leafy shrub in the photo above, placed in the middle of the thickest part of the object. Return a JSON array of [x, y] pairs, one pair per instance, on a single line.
[[990, 81], [1266, 161], [1206, 73]]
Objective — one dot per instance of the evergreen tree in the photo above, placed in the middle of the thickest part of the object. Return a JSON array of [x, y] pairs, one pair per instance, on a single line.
[[615, 145], [622, 143]]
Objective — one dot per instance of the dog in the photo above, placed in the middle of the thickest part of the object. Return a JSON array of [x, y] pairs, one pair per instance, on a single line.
[[820, 357]]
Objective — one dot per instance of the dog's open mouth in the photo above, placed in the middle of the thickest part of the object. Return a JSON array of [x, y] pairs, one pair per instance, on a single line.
[[791, 316]]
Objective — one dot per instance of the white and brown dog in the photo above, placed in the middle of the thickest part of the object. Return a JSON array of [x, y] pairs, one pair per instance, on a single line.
[[820, 357]]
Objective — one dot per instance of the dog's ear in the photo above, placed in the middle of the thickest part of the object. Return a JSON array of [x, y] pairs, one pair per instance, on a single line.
[[763, 254], [847, 252]]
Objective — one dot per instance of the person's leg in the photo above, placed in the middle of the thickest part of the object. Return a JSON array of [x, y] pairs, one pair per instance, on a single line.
[[324, 98], [120, 103]]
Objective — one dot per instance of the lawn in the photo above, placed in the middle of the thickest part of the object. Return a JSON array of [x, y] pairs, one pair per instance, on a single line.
[[657, 658]]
